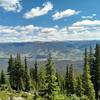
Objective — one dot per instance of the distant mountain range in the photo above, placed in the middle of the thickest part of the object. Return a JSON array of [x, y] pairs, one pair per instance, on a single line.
[[68, 50]]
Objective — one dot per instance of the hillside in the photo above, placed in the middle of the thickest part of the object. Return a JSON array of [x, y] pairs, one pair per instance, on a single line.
[[62, 52]]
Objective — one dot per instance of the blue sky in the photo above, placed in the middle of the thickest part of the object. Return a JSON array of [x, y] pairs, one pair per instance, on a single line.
[[49, 20]]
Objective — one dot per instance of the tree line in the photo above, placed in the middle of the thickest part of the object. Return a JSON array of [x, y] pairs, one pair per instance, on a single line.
[[46, 82]]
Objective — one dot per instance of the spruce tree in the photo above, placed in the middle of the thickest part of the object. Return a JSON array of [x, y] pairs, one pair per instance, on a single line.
[[61, 82], [79, 87], [17, 74], [32, 77], [32, 74], [36, 73], [87, 83], [42, 75], [67, 80], [57, 75], [25, 61], [71, 81], [2, 78], [52, 88], [92, 65], [97, 71], [26, 77], [11, 66]]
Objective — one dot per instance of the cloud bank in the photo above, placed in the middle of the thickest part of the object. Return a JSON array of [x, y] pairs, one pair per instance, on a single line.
[[39, 11], [65, 13], [81, 30], [11, 5]]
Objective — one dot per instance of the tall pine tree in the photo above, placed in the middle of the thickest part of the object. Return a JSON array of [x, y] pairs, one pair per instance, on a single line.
[[67, 80], [79, 87], [26, 77], [92, 65], [11, 67], [36, 73], [97, 72], [71, 81], [19, 73], [52, 88], [42, 75], [87, 83], [2, 78]]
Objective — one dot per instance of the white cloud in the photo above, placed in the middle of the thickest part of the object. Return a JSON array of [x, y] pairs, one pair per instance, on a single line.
[[18, 33], [87, 23], [11, 5], [65, 13], [84, 30], [89, 17], [38, 11]]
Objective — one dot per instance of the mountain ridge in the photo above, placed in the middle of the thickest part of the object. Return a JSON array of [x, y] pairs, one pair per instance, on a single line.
[[62, 52], [34, 49]]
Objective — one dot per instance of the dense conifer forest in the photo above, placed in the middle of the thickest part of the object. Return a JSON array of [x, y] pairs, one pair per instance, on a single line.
[[45, 83]]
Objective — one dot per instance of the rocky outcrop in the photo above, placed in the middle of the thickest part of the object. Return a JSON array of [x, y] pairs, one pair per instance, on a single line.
[[16, 98]]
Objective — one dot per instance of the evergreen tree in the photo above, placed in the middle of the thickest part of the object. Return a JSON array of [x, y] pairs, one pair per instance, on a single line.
[[25, 61], [11, 65], [71, 81], [92, 65], [36, 73], [18, 73], [87, 83], [26, 77], [32, 77], [67, 80], [2, 78], [42, 75], [52, 88], [32, 74], [79, 87], [97, 72], [61, 82]]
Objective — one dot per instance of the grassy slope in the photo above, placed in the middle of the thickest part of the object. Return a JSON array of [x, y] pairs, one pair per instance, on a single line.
[[4, 95]]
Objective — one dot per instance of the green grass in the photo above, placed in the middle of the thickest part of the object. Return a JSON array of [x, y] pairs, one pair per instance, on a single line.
[[4, 95]]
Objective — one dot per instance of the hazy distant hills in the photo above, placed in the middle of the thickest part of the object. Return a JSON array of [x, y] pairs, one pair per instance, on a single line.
[[70, 50], [66, 51]]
